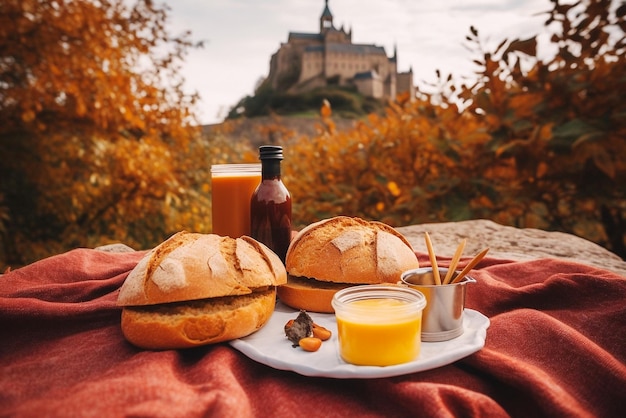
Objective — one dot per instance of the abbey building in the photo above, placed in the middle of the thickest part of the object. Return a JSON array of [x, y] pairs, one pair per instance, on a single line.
[[311, 60]]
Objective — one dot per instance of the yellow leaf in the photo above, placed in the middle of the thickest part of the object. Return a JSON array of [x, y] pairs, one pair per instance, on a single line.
[[546, 132], [28, 116], [325, 111], [393, 188]]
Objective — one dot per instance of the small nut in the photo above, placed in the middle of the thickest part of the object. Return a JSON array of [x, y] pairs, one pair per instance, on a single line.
[[310, 343], [321, 332]]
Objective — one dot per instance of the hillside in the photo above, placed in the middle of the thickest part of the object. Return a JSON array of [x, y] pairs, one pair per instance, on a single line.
[[257, 130]]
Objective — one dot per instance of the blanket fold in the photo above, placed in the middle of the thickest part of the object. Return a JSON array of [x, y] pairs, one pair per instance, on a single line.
[[556, 346]]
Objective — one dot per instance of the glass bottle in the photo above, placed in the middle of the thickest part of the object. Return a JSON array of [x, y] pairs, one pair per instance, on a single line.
[[270, 205]]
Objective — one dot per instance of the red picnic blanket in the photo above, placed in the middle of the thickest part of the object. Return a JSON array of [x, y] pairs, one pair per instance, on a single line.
[[556, 347]]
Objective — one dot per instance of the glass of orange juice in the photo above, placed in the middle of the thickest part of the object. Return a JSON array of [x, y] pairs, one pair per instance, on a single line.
[[232, 186], [379, 325]]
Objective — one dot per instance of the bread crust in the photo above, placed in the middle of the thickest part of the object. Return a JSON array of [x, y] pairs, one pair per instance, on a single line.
[[195, 289], [190, 266], [195, 323], [350, 250], [308, 294], [338, 252]]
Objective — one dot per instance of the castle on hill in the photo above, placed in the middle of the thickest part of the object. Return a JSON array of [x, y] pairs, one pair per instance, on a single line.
[[311, 60]]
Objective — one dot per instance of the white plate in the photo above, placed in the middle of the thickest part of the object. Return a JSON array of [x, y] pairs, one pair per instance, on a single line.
[[270, 346]]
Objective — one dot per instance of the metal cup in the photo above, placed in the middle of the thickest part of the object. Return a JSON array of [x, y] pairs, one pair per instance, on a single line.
[[442, 318]]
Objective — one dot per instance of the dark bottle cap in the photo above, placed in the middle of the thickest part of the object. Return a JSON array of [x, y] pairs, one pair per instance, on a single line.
[[270, 152]]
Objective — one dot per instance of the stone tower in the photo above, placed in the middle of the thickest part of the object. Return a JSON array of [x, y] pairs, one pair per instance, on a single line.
[[311, 60]]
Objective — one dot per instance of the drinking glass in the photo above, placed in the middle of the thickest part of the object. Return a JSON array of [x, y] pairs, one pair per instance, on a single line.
[[232, 186]]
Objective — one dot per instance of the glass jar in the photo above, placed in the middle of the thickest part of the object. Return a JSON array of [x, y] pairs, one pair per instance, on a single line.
[[379, 325], [232, 186]]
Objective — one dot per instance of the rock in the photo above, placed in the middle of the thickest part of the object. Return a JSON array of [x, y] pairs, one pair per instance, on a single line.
[[505, 242], [510, 243], [115, 248]]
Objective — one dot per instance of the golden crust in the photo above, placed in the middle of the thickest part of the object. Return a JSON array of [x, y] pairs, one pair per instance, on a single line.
[[350, 250], [308, 294], [196, 289], [194, 323], [191, 266]]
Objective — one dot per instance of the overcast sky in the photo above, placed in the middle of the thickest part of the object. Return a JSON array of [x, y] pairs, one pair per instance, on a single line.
[[241, 35]]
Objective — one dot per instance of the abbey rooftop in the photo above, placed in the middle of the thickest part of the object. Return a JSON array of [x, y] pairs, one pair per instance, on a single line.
[[329, 58]]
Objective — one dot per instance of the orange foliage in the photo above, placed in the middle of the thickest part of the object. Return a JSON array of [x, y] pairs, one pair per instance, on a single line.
[[391, 168], [542, 147], [93, 150], [96, 135]]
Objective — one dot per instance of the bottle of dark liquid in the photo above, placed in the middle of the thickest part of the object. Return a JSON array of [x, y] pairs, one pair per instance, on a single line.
[[270, 205]]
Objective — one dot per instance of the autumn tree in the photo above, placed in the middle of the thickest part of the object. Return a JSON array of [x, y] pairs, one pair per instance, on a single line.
[[96, 131], [97, 138], [559, 123], [527, 143]]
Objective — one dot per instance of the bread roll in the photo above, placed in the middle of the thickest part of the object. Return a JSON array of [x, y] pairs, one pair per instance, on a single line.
[[309, 294], [196, 289], [350, 250], [335, 253], [199, 322]]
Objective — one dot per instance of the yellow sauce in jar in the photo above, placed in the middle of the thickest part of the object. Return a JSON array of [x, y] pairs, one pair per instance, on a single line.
[[377, 333]]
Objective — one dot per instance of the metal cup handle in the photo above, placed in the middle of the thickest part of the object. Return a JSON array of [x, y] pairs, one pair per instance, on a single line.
[[469, 279]]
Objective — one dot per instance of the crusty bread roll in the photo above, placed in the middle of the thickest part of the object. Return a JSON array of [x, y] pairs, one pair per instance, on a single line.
[[309, 294], [196, 289], [340, 252], [199, 322]]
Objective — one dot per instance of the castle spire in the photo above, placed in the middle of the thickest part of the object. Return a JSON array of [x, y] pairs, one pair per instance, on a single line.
[[326, 20]]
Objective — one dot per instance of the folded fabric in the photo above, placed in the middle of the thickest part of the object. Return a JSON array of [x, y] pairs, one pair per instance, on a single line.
[[556, 347]]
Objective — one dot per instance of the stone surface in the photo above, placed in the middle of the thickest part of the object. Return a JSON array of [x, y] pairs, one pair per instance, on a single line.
[[115, 248], [510, 243], [504, 242]]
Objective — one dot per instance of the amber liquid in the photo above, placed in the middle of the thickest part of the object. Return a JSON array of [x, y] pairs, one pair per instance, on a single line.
[[231, 203], [270, 211]]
